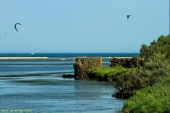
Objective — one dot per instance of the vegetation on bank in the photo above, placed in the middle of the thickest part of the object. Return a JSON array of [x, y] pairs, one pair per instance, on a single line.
[[106, 73], [152, 99], [161, 45], [147, 85], [153, 93], [152, 90]]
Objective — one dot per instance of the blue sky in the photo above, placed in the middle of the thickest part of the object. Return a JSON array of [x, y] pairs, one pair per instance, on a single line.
[[81, 25]]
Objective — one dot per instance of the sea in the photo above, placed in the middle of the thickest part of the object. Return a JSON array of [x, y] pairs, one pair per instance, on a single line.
[[38, 86]]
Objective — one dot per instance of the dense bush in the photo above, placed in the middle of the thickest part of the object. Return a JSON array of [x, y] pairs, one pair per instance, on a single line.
[[127, 62], [150, 83], [137, 78], [161, 45], [152, 99]]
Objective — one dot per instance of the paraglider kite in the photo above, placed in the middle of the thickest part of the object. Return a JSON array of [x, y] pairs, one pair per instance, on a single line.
[[128, 16], [15, 26]]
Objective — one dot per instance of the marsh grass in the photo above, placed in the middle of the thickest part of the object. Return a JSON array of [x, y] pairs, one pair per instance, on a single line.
[[106, 73]]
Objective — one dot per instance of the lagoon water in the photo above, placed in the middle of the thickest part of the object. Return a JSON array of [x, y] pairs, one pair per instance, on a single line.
[[37, 86]]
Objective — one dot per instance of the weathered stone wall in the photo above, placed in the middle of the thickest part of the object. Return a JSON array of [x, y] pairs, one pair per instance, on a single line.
[[127, 62], [83, 64]]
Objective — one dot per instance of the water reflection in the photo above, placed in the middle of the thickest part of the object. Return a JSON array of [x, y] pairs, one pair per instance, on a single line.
[[38, 86], [66, 95]]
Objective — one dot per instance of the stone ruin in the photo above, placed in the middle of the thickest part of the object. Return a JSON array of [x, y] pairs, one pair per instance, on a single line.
[[81, 66]]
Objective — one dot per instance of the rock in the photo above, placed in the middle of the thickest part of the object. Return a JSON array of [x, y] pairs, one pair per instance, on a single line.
[[68, 76]]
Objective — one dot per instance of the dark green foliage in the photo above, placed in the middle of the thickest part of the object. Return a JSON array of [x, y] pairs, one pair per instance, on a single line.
[[147, 85], [161, 45], [137, 78], [156, 67], [150, 83], [127, 62], [152, 99]]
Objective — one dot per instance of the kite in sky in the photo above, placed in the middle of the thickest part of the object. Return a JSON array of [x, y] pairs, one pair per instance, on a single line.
[[15, 26], [128, 16]]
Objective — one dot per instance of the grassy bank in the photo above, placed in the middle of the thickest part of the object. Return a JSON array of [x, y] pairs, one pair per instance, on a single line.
[[152, 99], [106, 73]]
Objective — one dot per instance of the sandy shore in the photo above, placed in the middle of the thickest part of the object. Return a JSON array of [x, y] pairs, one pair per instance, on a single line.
[[46, 58], [20, 58]]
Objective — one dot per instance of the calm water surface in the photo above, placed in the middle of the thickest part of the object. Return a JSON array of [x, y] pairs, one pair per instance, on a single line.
[[35, 86]]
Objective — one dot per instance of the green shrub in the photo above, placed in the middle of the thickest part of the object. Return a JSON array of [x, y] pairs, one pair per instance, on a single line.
[[150, 83], [161, 45], [135, 78], [156, 67], [153, 99]]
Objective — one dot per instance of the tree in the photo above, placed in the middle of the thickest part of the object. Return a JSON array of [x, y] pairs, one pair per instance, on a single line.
[[161, 45]]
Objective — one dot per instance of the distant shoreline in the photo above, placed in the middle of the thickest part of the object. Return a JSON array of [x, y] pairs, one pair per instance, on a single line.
[[48, 58], [20, 58]]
